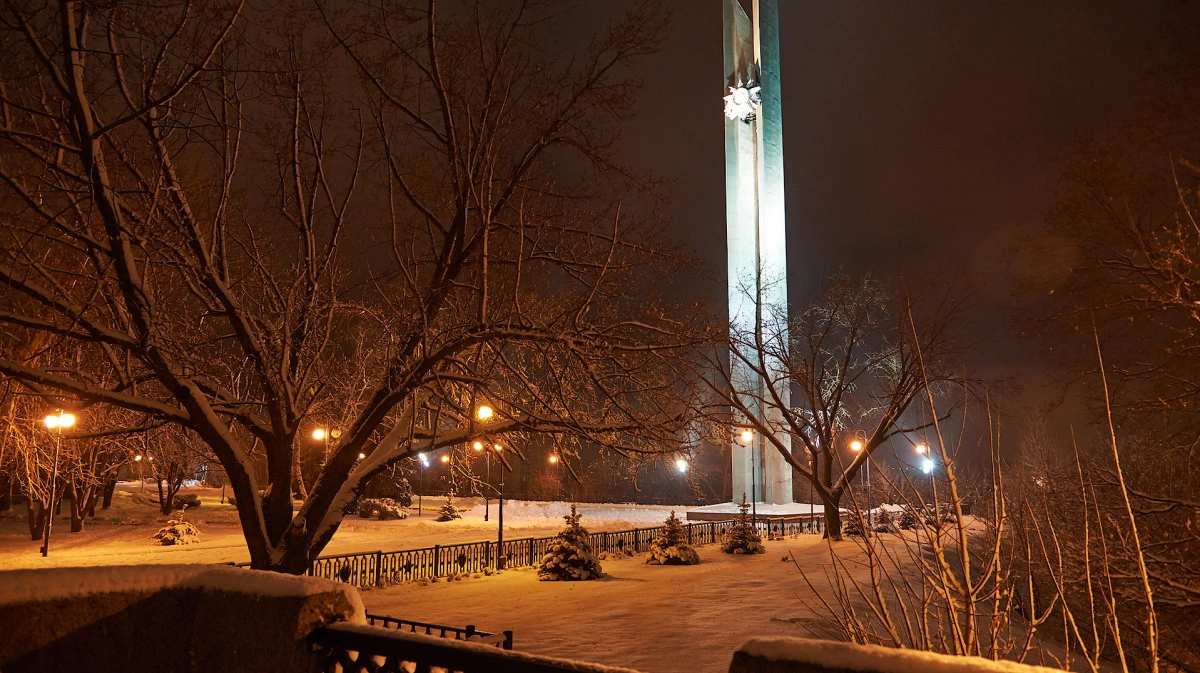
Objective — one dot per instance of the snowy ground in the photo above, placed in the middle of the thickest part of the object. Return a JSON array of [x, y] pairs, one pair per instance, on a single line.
[[121, 535], [663, 619]]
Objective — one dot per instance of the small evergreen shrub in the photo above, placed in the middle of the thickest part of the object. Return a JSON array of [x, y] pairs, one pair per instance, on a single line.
[[743, 537], [448, 511], [366, 508], [670, 547], [852, 526], [883, 522], [569, 557]]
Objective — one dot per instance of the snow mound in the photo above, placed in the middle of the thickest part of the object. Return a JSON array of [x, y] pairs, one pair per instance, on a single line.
[[874, 659], [27, 586]]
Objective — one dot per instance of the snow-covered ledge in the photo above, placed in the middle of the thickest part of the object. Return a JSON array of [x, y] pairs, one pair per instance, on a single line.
[[165, 618], [803, 655]]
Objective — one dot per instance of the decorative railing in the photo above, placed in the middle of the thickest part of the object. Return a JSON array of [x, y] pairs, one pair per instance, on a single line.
[[369, 569], [357, 648], [502, 640]]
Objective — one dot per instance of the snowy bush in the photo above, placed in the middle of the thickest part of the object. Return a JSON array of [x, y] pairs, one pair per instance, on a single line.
[[743, 537], [569, 557], [853, 526], [883, 522], [670, 547], [908, 518], [177, 532], [188, 500], [385, 509], [390, 510], [448, 511]]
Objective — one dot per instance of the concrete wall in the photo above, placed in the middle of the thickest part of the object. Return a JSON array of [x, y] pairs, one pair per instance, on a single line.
[[802, 655], [164, 618]]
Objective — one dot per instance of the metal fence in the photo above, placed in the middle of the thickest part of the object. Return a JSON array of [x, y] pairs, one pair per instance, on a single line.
[[383, 567], [502, 640], [357, 648]]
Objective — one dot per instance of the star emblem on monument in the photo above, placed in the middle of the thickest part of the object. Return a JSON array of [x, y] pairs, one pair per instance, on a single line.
[[743, 101]]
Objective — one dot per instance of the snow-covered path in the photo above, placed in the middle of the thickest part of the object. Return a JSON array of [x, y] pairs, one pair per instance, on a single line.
[[121, 535], [659, 619]]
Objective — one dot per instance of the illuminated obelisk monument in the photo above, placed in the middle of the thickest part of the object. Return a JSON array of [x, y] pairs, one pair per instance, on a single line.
[[754, 213]]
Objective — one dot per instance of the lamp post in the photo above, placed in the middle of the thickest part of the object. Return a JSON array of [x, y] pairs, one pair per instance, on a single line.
[[421, 481], [323, 435], [487, 459], [501, 561], [857, 446], [54, 422], [746, 438]]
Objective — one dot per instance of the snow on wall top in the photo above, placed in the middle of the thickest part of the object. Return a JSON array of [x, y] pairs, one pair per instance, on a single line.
[[23, 586], [830, 654]]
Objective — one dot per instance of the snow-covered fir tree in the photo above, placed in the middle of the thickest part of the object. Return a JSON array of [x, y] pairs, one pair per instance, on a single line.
[[569, 557], [448, 511], [743, 537], [670, 547]]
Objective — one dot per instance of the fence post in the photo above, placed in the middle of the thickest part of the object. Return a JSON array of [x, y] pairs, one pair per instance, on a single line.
[[379, 567], [508, 640], [437, 552], [468, 632]]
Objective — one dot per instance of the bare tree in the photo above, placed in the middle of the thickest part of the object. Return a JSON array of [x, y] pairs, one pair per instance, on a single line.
[[248, 241], [852, 363]]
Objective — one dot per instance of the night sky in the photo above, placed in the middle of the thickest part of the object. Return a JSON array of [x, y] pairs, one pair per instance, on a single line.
[[920, 137]]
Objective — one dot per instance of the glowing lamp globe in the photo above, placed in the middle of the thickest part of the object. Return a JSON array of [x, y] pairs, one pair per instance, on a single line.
[[553, 459], [921, 449], [927, 466], [747, 436], [856, 445], [484, 413], [478, 446], [681, 465], [319, 434]]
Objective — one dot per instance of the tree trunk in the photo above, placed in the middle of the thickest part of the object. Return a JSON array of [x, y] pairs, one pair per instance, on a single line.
[[109, 489], [833, 520], [83, 500], [36, 518], [6, 492]]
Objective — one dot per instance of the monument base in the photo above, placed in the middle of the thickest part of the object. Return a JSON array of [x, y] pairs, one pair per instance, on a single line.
[[727, 510]]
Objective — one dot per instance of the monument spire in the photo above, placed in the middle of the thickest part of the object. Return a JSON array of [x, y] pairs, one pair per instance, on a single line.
[[757, 256]]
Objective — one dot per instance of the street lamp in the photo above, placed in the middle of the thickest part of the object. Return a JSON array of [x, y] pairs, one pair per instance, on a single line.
[[54, 422], [857, 446], [746, 438], [484, 412], [421, 482], [500, 558], [681, 465], [487, 459]]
